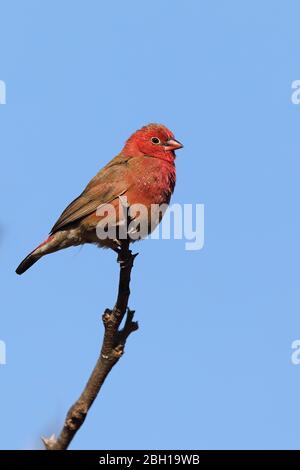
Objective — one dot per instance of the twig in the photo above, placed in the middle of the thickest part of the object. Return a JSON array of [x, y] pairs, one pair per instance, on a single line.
[[112, 349]]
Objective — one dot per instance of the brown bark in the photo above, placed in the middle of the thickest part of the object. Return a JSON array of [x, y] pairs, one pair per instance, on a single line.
[[112, 349]]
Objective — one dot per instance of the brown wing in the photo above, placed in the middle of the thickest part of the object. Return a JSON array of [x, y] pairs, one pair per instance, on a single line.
[[110, 183]]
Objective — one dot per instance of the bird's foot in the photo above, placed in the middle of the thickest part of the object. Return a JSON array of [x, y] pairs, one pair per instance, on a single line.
[[124, 258]]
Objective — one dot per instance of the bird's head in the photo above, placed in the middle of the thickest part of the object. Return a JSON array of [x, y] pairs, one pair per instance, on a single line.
[[154, 140]]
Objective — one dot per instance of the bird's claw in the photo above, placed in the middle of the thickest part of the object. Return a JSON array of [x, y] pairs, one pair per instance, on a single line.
[[124, 261]]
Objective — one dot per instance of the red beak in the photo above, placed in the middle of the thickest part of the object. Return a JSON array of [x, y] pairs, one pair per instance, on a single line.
[[173, 144]]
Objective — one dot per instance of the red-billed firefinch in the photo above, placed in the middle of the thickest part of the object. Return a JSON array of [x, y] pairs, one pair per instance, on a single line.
[[143, 172]]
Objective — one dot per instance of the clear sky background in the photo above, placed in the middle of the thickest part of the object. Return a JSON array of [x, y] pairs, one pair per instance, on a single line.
[[210, 367]]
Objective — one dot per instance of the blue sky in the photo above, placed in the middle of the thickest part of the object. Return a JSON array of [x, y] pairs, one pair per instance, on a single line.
[[210, 367]]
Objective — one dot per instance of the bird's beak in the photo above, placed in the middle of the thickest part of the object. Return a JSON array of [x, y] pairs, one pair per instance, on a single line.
[[173, 144]]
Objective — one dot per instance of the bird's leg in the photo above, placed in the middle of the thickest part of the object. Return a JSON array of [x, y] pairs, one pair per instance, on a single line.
[[117, 247], [121, 248], [124, 254]]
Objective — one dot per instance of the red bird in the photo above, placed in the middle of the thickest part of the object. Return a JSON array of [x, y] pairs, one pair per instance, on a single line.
[[144, 172]]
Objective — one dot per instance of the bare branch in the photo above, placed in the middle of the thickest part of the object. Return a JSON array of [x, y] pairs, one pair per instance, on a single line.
[[112, 349]]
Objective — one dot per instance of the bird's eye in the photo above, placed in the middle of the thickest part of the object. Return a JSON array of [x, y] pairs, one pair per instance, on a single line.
[[155, 140]]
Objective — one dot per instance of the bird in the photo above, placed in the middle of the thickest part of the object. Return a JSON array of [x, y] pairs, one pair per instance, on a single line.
[[143, 173]]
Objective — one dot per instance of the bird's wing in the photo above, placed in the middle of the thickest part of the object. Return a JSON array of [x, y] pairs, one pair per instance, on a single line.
[[110, 183]]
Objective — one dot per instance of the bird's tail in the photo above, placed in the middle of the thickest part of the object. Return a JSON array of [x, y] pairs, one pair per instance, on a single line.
[[27, 263], [34, 256]]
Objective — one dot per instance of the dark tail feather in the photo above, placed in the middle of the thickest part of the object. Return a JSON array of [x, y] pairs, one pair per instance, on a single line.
[[34, 256], [27, 263]]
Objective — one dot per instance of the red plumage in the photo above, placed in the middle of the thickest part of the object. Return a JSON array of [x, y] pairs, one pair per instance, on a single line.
[[144, 172]]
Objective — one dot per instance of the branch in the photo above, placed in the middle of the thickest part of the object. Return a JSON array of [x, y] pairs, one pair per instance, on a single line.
[[112, 349]]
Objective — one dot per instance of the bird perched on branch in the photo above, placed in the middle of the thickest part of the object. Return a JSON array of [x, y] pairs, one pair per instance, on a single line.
[[143, 174]]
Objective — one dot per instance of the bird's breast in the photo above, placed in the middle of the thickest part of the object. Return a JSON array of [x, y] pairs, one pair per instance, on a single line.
[[155, 184]]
